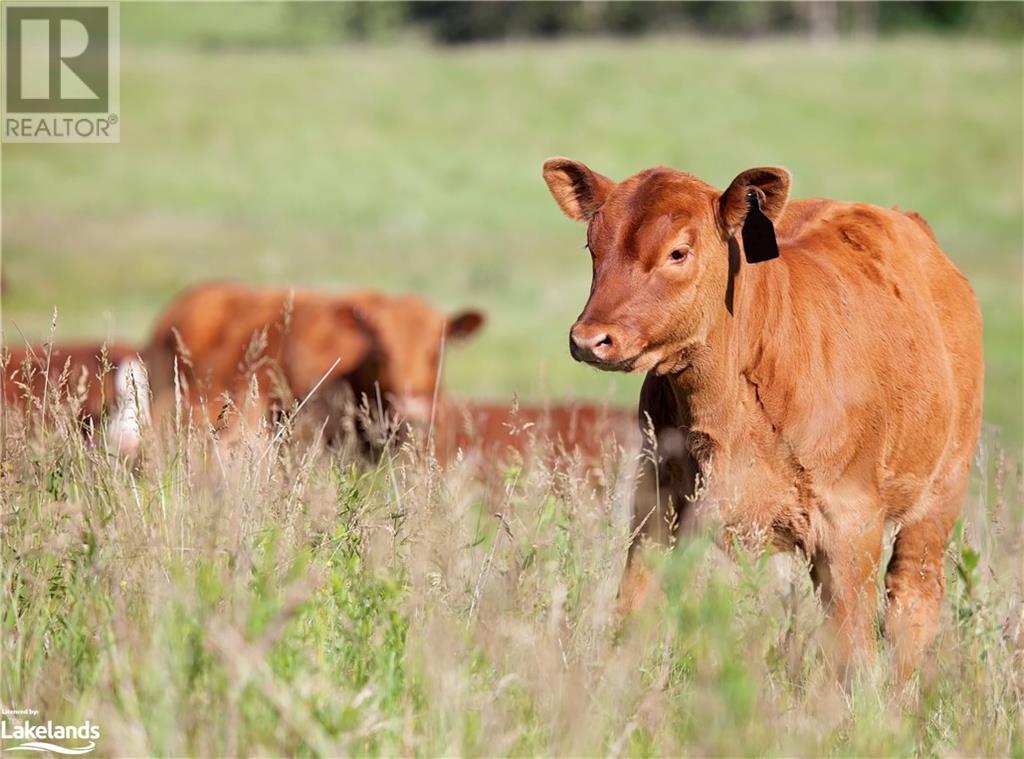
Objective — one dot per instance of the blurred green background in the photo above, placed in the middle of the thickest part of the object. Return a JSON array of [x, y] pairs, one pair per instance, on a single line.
[[340, 146]]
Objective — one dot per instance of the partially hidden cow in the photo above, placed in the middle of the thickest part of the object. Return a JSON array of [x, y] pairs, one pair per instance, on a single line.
[[552, 432], [814, 370], [264, 349], [84, 374]]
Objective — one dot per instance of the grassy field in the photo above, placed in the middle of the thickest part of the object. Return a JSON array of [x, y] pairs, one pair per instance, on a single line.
[[271, 599], [415, 169], [275, 599]]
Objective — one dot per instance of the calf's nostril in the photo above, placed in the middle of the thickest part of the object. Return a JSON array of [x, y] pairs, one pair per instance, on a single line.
[[584, 341]]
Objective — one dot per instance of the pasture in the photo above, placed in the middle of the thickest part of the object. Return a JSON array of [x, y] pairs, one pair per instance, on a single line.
[[413, 169], [275, 599]]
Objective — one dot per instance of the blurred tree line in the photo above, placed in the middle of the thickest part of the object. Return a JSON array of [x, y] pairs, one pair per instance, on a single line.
[[450, 22]]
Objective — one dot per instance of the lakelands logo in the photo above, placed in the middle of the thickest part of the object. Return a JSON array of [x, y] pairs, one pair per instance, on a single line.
[[17, 725], [61, 72]]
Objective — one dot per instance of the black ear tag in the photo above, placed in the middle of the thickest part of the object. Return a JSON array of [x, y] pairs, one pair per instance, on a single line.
[[759, 241]]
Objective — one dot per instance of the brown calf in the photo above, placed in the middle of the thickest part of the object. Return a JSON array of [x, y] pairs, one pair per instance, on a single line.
[[84, 373], [814, 395], [226, 337]]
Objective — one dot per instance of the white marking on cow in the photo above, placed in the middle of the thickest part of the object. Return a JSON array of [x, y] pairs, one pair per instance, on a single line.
[[131, 411]]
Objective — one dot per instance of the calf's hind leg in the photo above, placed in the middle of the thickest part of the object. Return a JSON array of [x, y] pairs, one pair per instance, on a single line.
[[915, 584]]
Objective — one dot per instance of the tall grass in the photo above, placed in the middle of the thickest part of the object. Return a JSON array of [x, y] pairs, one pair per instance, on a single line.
[[272, 598]]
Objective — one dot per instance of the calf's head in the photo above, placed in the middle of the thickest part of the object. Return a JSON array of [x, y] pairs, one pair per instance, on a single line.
[[408, 336], [663, 246]]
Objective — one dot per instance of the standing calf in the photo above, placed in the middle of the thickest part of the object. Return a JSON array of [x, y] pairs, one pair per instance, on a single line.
[[815, 365]]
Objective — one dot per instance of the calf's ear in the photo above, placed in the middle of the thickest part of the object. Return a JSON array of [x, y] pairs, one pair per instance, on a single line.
[[578, 191], [751, 205], [463, 325]]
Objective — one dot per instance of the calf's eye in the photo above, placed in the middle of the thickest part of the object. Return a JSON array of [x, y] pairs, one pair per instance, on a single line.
[[678, 255]]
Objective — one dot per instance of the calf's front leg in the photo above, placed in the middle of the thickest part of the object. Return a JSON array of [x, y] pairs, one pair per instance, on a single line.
[[655, 523], [666, 482]]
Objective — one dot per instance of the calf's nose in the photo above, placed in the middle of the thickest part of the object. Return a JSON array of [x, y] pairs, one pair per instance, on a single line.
[[591, 342], [413, 408]]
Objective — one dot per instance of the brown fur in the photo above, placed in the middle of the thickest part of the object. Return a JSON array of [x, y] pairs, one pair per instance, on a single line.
[[818, 395], [225, 337], [75, 371], [494, 430]]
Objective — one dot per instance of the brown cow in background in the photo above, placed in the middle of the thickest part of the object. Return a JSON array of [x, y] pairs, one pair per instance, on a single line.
[[560, 430], [234, 341], [829, 383], [85, 372]]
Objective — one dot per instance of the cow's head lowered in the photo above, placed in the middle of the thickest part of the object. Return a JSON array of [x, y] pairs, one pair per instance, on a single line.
[[662, 245], [384, 350], [407, 335]]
